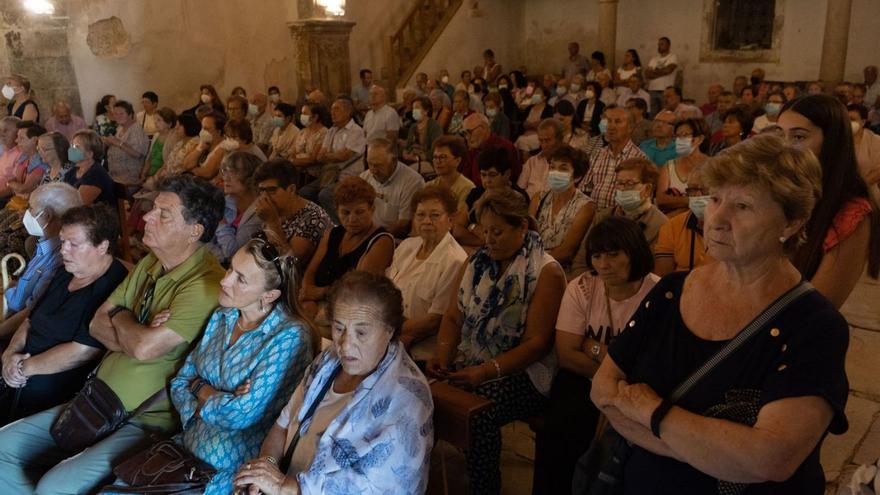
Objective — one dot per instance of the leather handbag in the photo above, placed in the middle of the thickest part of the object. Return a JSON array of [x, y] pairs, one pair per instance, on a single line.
[[92, 415], [166, 468]]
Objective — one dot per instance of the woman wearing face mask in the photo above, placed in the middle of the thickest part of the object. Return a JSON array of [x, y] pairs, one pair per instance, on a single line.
[[238, 136], [419, 145], [499, 123], [360, 421], [594, 311], [282, 142], [209, 140], [590, 109], [51, 353], [680, 245], [635, 183], [563, 213], [843, 232], [18, 91], [775, 100], [691, 140], [356, 244], [534, 114], [308, 141], [208, 96], [93, 182], [497, 339]]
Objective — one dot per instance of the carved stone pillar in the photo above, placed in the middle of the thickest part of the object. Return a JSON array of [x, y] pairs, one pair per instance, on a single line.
[[322, 57], [608, 30], [835, 41]]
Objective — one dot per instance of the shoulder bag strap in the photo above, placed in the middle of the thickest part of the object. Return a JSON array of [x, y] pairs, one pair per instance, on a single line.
[[762, 319], [284, 464]]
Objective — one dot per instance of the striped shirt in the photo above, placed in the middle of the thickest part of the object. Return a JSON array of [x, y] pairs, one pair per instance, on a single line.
[[599, 182]]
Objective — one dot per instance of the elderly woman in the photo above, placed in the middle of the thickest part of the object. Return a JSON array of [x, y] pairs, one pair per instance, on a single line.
[[448, 153], [843, 232], [564, 213], [239, 136], [535, 113], [309, 140], [594, 311], [287, 217], [419, 145], [26, 174], [461, 109], [497, 337], [18, 91], [284, 133], [680, 245], [47, 204], [756, 423], [237, 171], [89, 177], [255, 349], [51, 353], [360, 421], [426, 267], [737, 125], [127, 149], [187, 129], [499, 122], [441, 106], [52, 148], [691, 144], [356, 244]]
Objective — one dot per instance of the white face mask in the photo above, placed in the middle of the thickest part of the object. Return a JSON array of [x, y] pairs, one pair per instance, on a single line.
[[590, 94], [206, 99], [253, 109], [305, 120], [8, 92], [444, 79], [856, 126], [417, 114], [575, 87], [205, 136], [274, 97], [229, 144], [31, 224]]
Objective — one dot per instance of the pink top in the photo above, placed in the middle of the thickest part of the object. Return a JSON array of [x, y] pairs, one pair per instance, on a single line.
[[846, 221], [584, 310]]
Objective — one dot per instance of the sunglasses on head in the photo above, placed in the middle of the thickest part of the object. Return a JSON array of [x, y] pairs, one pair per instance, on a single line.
[[268, 250]]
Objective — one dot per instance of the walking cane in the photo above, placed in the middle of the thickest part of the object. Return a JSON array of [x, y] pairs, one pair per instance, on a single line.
[[4, 269]]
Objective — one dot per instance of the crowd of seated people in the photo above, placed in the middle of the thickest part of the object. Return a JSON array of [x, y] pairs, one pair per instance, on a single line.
[[553, 244]]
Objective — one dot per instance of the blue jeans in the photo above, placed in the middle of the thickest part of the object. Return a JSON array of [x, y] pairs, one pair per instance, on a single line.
[[31, 462]]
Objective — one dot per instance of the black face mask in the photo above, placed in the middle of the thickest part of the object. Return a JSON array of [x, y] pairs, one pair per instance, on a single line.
[[755, 80]]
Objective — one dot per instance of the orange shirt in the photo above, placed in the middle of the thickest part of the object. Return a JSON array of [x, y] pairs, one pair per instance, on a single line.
[[682, 240]]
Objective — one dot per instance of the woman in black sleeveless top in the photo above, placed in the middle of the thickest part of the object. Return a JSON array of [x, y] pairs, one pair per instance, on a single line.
[[17, 90]]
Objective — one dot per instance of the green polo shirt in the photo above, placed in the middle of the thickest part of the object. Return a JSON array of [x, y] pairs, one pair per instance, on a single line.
[[190, 291]]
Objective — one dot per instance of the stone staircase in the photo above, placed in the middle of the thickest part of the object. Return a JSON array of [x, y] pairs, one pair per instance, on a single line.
[[406, 48]]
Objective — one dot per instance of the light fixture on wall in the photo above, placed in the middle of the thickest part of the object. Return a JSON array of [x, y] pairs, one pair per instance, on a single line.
[[44, 7], [332, 8]]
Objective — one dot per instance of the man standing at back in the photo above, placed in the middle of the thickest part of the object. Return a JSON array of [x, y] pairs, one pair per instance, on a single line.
[[148, 325], [576, 62], [660, 72], [360, 94], [599, 181]]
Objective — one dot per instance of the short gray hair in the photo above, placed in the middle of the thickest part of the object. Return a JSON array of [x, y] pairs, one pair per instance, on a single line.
[[57, 197]]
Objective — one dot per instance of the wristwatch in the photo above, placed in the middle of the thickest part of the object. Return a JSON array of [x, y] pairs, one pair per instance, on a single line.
[[596, 352]]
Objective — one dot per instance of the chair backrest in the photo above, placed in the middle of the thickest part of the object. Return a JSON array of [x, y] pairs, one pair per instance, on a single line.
[[121, 193]]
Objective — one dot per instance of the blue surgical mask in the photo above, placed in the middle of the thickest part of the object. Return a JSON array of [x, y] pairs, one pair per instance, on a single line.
[[684, 146], [558, 180], [628, 200], [697, 204], [603, 126], [277, 122], [772, 108], [75, 155]]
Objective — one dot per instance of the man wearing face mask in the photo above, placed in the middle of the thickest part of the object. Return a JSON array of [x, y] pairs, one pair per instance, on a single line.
[[395, 186], [775, 100], [661, 147], [680, 243], [534, 173], [576, 90]]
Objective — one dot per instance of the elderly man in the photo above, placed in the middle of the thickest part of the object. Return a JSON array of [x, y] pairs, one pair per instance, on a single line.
[[126, 150], [672, 97], [9, 155], [726, 101], [711, 104], [360, 93], [63, 121], [633, 89], [395, 186], [148, 325], [599, 181], [479, 138], [421, 86], [261, 121], [340, 155], [47, 204], [237, 107], [534, 173], [381, 121], [576, 63], [661, 147]]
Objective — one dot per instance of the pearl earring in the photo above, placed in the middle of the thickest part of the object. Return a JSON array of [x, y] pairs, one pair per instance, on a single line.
[[782, 239]]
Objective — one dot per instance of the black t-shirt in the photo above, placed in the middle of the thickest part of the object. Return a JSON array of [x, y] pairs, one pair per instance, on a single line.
[[799, 353], [95, 176], [477, 193], [61, 316]]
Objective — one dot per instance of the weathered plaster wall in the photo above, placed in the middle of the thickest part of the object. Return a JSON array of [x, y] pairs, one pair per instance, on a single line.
[[173, 46], [864, 36]]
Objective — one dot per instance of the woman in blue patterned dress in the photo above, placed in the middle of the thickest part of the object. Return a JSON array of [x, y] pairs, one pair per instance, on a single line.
[[253, 353], [361, 420], [497, 338]]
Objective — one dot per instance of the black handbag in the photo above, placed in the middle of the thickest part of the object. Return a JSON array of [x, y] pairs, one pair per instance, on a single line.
[[166, 468], [600, 470]]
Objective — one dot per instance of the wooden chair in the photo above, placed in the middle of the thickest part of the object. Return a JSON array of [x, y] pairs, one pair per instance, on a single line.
[[453, 410], [121, 193]]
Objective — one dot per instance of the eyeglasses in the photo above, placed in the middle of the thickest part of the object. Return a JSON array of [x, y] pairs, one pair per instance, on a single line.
[[269, 252], [433, 216], [626, 185], [268, 189], [696, 191], [441, 157], [490, 175]]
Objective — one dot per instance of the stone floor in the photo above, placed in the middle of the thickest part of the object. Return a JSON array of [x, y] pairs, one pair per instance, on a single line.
[[840, 454]]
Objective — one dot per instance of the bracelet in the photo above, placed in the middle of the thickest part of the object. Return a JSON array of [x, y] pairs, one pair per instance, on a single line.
[[198, 387], [658, 415], [497, 368]]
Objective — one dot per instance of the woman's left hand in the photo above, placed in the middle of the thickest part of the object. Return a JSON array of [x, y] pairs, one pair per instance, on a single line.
[[470, 377], [260, 476], [637, 402]]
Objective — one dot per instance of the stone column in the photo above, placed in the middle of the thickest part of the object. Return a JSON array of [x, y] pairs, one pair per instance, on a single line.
[[833, 63], [320, 48], [608, 30]]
